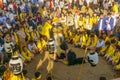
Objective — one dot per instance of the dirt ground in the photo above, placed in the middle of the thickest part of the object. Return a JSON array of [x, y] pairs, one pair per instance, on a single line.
[[64, 72]]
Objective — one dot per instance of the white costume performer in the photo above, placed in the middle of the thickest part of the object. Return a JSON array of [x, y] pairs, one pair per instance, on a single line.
[[58, 36]]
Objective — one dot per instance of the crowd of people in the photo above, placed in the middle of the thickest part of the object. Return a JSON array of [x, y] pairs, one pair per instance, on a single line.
[[27, 25]]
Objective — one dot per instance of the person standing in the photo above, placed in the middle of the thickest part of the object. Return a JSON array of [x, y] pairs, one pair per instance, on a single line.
[[50, 55]]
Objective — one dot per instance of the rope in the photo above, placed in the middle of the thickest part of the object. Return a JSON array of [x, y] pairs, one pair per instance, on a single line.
[[81, 66]]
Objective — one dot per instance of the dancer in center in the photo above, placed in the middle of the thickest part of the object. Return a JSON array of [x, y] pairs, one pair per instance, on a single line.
[[50, 55]]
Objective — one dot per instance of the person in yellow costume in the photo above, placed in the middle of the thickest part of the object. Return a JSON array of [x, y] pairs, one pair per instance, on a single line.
[[26, 29], [39, 28], [21, 37], [41, 44], [76, 39], [83, 9], [26, 54], [117, 67], [7, 74], [22, 15], [106, 49], [35, 34], [115, 7], [55, 19], [105, 37], [84, 39], [46, 29], [115, 59], [88, 23], [92, 41], [95, 21], [50, 55], [17, 77], [37, 76], [90, 11], [16, 37], [80, 20], [68, 35], [112, 50], [44, 12]]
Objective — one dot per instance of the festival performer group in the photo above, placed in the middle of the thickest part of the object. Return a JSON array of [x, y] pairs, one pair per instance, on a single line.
[[32, 27]]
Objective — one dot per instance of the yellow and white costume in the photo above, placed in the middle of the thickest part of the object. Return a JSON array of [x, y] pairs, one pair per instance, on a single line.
[[50, 54]]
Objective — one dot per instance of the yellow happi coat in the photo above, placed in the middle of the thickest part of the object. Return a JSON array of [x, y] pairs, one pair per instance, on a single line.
[[46, 29], [116, 58], [91, 42]]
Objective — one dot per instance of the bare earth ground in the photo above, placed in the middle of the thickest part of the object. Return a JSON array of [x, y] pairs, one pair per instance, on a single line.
[[64, 72]]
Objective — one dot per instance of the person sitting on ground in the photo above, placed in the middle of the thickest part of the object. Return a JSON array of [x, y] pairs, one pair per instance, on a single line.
[[8, 45], [112, 50], [32, 47], [115, 59], [105, 50], [41, 44], [26, 54], [92, 41], [100, 44], [92, 57]]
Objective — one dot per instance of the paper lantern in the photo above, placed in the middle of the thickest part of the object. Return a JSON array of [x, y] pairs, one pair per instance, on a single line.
[[50, 46], [16, 65]]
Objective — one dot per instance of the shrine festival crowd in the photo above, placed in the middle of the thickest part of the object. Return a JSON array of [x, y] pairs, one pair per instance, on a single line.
[[26, 26]]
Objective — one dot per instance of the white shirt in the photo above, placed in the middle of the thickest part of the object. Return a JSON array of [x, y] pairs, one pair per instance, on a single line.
[[115, 19], [101, 22], [108, 24], [31, 47], [93, 58], [8, 46], [100, 44], [76, 20], [61, 4]]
